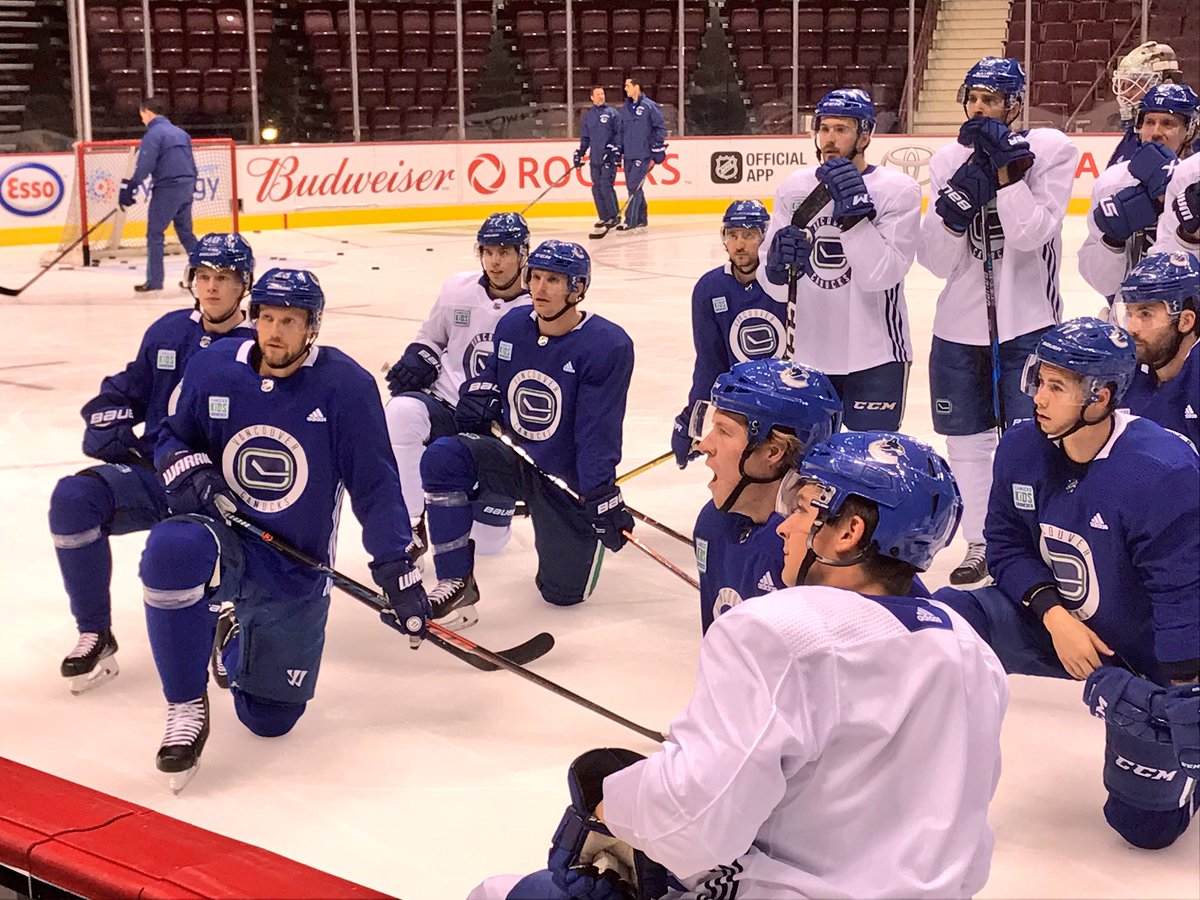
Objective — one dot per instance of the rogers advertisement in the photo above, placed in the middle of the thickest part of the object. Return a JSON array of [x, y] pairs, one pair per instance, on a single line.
[[304, 177]]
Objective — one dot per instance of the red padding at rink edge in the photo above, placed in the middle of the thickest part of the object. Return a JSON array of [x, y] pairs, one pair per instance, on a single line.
[[96, 845]]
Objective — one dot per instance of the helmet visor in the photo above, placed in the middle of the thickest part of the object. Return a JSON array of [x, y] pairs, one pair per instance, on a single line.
[[787, 501], [701, 421]]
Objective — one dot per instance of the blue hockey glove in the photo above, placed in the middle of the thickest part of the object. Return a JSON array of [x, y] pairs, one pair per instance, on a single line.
[[125, 198], [608, 515], [851, 201], [577, 160], [416, 369], [195, 486], [681, 442], [1123, 214], [109, 434], [790, 247], [658, 154], [1187, 210], [971, 188], [1181, 709], [1152, 165], [478, 406], [1125, 701], [998, 144], [410, 609], [612, 155]]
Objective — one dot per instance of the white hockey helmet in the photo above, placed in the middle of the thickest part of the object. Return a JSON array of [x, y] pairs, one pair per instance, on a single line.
[[1139, 70]]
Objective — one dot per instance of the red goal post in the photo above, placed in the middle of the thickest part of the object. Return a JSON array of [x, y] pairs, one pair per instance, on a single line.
[[100, 167]]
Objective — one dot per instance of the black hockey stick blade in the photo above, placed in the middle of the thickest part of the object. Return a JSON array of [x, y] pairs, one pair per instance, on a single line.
[[16, 292], [522, 654]]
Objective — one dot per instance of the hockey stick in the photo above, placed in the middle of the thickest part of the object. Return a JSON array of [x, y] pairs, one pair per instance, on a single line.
[[597, 235], [505, 439], [548, 189], [13, 292], [465, 649], [804, 214], [665, 529], [645, 467], [989, 296], [450, 641]]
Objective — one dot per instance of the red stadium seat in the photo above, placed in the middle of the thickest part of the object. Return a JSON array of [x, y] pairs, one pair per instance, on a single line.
[[1097, 50], [659, 20], [415, 21]]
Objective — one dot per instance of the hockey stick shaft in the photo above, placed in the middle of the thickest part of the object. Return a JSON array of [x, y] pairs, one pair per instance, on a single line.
[[645, 467], [661, 560], [442, 637], [548, 189], [13, 292], [804, 214], [989, 296], [654, 523]]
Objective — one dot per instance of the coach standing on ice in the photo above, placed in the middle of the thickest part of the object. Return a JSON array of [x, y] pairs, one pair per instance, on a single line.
[[165, 154], [601, 132], [643, 141]]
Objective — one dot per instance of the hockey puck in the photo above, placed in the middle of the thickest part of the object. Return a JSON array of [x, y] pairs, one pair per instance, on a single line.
[[374, 268], [340, 253], [428, 249]]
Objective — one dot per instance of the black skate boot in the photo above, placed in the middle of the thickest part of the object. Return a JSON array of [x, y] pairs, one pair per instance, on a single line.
[[419, 545], [453, 601], [228, 628], [92, 662], [973, 569], [187, 730]]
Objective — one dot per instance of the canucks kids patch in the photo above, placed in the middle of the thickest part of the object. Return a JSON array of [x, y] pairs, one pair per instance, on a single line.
[[1023, 496], [218, 407], [166, 360]]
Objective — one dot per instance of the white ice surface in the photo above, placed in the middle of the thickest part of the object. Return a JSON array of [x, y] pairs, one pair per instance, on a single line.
[[411, 772]]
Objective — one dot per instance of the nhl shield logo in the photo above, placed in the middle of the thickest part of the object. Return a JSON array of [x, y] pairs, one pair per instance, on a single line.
[[726, 167]]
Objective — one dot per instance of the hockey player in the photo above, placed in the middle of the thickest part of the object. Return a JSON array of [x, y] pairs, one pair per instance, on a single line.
[[791, 771], [761, 418], [273, 430], [1093, 536], [643, 135], [1016, 186], [123, 495], [1158, 306], [733, 318], [450, 348], [1179, 225], [556, 382], [1127, 199], [600, 133], [851, 317], [165, 154], [1139, 70]]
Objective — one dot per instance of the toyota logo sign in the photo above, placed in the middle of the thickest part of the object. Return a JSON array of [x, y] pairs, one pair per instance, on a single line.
[[912, 161]]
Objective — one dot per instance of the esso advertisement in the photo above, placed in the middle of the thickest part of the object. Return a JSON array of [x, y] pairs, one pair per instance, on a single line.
[[30, 189]]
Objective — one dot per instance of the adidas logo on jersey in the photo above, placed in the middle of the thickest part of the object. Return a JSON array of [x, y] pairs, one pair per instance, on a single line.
[[316, 415], [1188, 412], [569, 367], [1098, 522], [766, 584], [924, 615]]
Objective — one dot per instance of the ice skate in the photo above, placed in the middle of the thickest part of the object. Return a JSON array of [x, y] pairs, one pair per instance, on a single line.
[[227, 629], [973, 569], [419, 545], [92, 662], [453, 601], [187, 730]]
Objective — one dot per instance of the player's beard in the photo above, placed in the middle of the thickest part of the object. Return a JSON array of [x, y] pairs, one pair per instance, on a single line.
[[1161, 352], [279, 358]]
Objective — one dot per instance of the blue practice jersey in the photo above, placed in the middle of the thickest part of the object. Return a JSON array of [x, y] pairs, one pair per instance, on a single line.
[[1129, 143], [642, 128], [731, 323], [1174, 405], [601, 127], [1119, 536], [288, 447], [564, 397], [736, 559], [165, 154], [149, 379]]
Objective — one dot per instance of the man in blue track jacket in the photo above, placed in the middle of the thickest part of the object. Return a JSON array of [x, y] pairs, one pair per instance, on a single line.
[[643, 140]]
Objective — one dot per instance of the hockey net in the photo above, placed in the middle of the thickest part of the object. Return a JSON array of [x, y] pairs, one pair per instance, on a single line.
[[100, 167]]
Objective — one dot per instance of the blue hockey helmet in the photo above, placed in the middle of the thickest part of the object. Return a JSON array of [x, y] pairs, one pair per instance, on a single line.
[[565, 257], [911, 485], [1172, 98], [504, 229], [296, 288], [222, 250], [1170, 278], [1100, 352], [996, 73], [746, 214], [850, 103]]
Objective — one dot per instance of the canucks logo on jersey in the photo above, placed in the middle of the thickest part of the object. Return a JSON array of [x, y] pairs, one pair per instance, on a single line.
[[755, 334], [1070, 559], [828, 260], [476, 354], [995, 233], [266, 467], [536, 402]]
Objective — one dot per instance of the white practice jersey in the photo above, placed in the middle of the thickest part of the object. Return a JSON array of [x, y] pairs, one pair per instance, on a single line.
[[1026, 237], [459, 329], [1167, 238], [1102, 266], [835, 746], [851, 314]]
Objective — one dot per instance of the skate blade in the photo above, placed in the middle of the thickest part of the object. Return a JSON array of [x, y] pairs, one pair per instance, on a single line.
[[177, 781], [459, 619], [105, 671]]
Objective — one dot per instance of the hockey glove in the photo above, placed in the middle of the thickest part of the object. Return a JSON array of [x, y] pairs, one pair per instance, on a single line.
[[195, 486], [109, 435], [577, 160], [790, 249], [1125, 213], [1181, 709], [1152, 165], [658, 154], [851, 201], [971, 188], [612, 155], [608, 515], [998, 144], [125, 198], [417, 369], [681, 441], [1187, 210], [1125, 701], [409, 610], [478, 406]]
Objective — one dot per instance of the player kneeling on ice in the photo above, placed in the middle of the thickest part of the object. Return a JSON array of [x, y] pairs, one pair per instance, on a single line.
[[451, 348], [271, 430], [1093, 532], [762, 417], [124, 494], [840, 680], [556, 382]]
